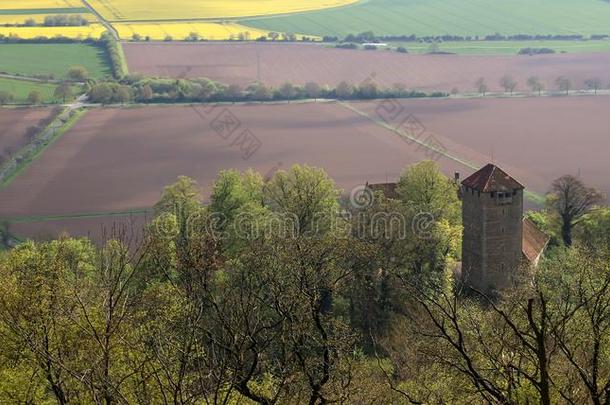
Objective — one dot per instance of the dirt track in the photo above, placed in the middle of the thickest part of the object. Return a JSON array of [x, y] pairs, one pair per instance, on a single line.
[[275, 64], [14, 123]]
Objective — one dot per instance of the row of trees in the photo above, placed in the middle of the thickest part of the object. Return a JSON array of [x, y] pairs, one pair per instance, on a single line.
[[241, 36], [276, 293], [145, 89], [535, 84], [369, 36], [59, 20]]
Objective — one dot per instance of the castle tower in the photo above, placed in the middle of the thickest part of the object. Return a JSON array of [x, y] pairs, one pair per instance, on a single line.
[[492, 213]]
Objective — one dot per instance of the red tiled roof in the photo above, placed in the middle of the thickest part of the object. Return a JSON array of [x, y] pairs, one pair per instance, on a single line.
[[491, 178], [534, 241]]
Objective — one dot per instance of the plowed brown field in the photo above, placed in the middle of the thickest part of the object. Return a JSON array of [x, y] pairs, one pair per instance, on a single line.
[[275, 64], [120, 159], [14, 124]]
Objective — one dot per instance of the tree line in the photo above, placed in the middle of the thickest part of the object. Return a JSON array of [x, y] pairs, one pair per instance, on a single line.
[[162, 90], [370, 36], [279, 291], [563, 84]]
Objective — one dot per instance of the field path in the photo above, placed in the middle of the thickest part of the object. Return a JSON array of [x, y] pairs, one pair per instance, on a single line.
[[103, 21]]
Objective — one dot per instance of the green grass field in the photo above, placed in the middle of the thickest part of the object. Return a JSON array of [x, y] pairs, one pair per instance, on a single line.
[[505, 47], [454, 17], [55, 59], [20, 90]]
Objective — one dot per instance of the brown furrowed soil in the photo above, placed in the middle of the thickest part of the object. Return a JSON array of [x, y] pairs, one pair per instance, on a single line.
[[120, 159], [534, 139], [14, 125], [116, 160], [275, 64]]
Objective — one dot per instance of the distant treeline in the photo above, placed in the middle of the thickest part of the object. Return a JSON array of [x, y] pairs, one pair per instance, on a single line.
[[535, 51], [162, 90], [59, 20], [369, 36]]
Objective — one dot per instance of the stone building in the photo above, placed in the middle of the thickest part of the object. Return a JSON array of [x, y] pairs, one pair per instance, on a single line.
[[497, 240], [492, 215]]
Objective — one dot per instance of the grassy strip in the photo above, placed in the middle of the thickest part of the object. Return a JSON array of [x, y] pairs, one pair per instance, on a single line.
[[29, 11], [88, 215], [530, 195], [27, 161]]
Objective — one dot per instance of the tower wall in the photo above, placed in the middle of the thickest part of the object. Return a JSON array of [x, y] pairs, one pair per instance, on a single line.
[[493, 238]]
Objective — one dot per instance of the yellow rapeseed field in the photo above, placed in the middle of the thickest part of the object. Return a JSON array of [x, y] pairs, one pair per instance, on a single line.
[[28, 4], [39, 18], [116, 10], [179, 31], [92, 31]]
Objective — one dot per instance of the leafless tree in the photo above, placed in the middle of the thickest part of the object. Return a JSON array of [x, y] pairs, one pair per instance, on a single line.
[[572, 200]]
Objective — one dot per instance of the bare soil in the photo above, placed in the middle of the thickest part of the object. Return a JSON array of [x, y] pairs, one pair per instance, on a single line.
[[14, 125], [275, 64], [120, 159]]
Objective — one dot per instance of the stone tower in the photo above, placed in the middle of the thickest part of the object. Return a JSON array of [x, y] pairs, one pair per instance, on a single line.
[[492, 213]]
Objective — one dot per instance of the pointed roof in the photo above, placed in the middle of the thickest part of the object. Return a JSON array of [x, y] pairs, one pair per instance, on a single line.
[[534, 241], [491, 178]]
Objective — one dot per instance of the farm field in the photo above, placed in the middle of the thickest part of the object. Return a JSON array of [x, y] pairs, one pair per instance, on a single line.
[[137, 161], [39, 4], [117, 10], [455, 17], [300, 63], [94, 31], [52, 59], [14, 124], [21, 88], [536, 139], [179, 31]]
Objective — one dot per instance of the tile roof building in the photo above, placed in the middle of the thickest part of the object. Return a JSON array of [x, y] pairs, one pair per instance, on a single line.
[[496, 238]]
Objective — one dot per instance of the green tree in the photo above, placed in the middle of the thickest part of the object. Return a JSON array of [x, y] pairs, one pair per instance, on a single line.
[[425, 188], [146, 93], [123, 94], [5, 97], [344, 90], [182, 196], [78, 74], [313, 90], [35, 97], [305, 194], [287, 91], [101, 93], [63, 92]]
